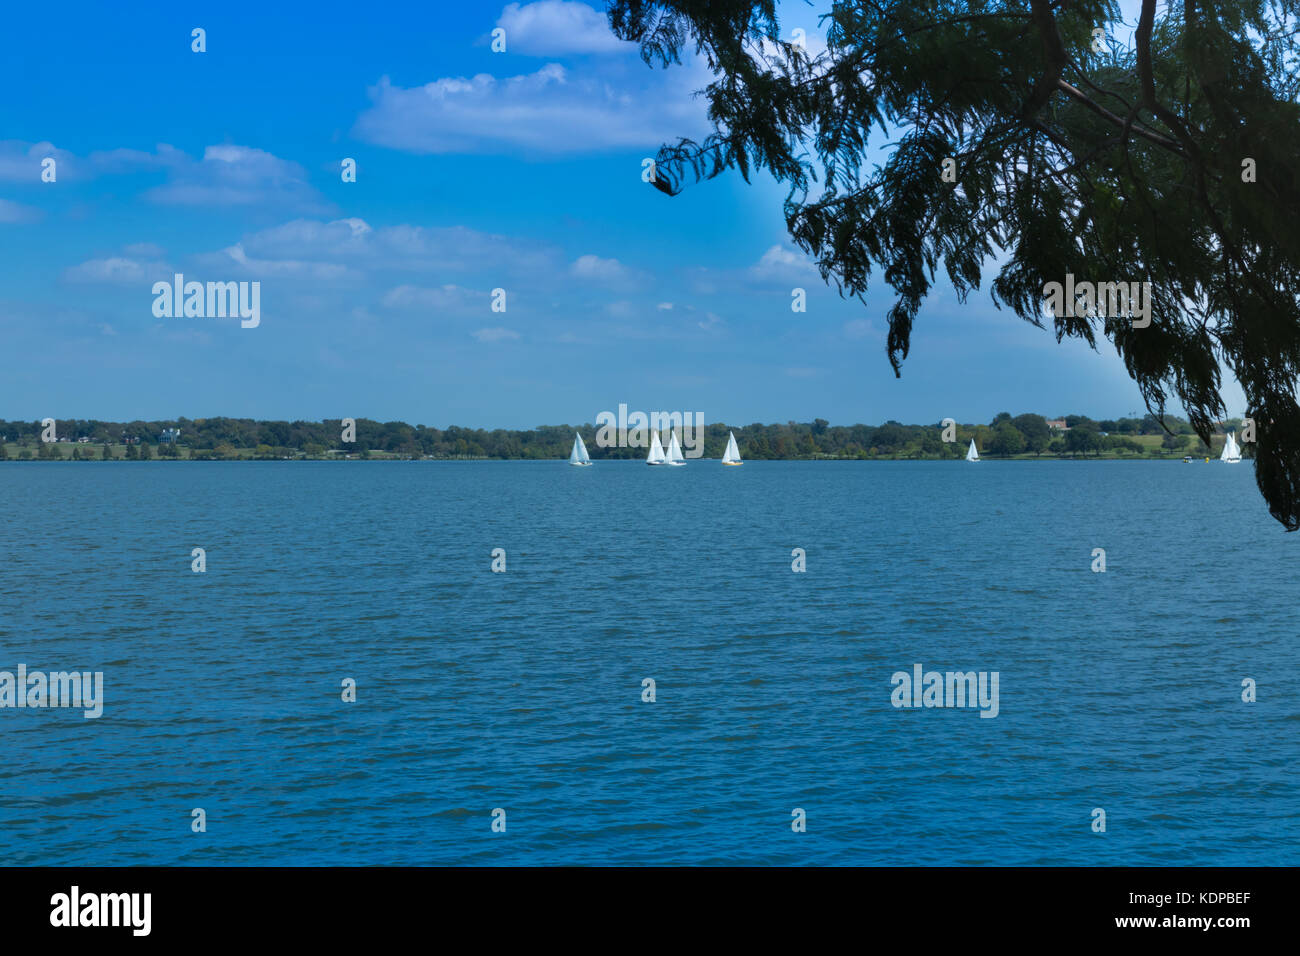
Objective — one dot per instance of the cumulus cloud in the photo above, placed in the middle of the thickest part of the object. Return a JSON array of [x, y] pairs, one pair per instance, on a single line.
[[780, 264], [238, 176], [117, 270], [601, 270], [225, 175], [551, 111], [235, 257], [557, 27], [20, 162], [140, 264]]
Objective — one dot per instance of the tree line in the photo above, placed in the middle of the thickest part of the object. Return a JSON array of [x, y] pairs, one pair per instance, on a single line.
[[232, 438]]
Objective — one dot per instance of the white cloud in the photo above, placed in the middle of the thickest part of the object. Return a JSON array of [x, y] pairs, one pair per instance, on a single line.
[[237, 257], [444, 298], [226, 175], [556, 27], [601, 270], [238, 176], [142, 264], [664, 306], [550, 111], [780, 264], [115, 269], [403, 248], [20, 162], [495, 334]]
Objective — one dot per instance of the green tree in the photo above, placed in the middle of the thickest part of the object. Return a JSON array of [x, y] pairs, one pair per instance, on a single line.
[[1081, 439], [1111, 162], [107, 453], [145, 452], [1035, 430], [1007, 440]]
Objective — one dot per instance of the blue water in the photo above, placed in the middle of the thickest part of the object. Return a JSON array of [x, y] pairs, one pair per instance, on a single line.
[[522, 690]]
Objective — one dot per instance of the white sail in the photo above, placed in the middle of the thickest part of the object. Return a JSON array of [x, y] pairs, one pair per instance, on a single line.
[[656, 456], [579, 454], [732, 455], [1231, 453], [972, 455], [674, 454]]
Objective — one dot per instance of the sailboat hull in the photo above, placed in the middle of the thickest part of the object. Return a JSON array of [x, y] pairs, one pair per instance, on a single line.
[[733, 464], [580, 464]]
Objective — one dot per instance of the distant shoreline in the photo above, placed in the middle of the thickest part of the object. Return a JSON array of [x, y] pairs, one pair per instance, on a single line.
[[1026, 437], [381, 457]]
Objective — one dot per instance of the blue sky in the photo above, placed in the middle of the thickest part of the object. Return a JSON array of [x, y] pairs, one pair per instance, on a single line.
[[475, 171]]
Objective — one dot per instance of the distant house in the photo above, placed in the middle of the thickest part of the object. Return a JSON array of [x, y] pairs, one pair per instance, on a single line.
[[170, 435], [1058, 425], [83, 441]]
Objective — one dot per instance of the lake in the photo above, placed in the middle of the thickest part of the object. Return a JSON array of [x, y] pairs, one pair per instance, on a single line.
[[522, 690]]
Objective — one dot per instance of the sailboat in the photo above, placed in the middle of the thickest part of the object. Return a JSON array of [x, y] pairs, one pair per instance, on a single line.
[[674, 456], [656, 456], [972, 455], [579, 454], [1231, 453], [732, 455]]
